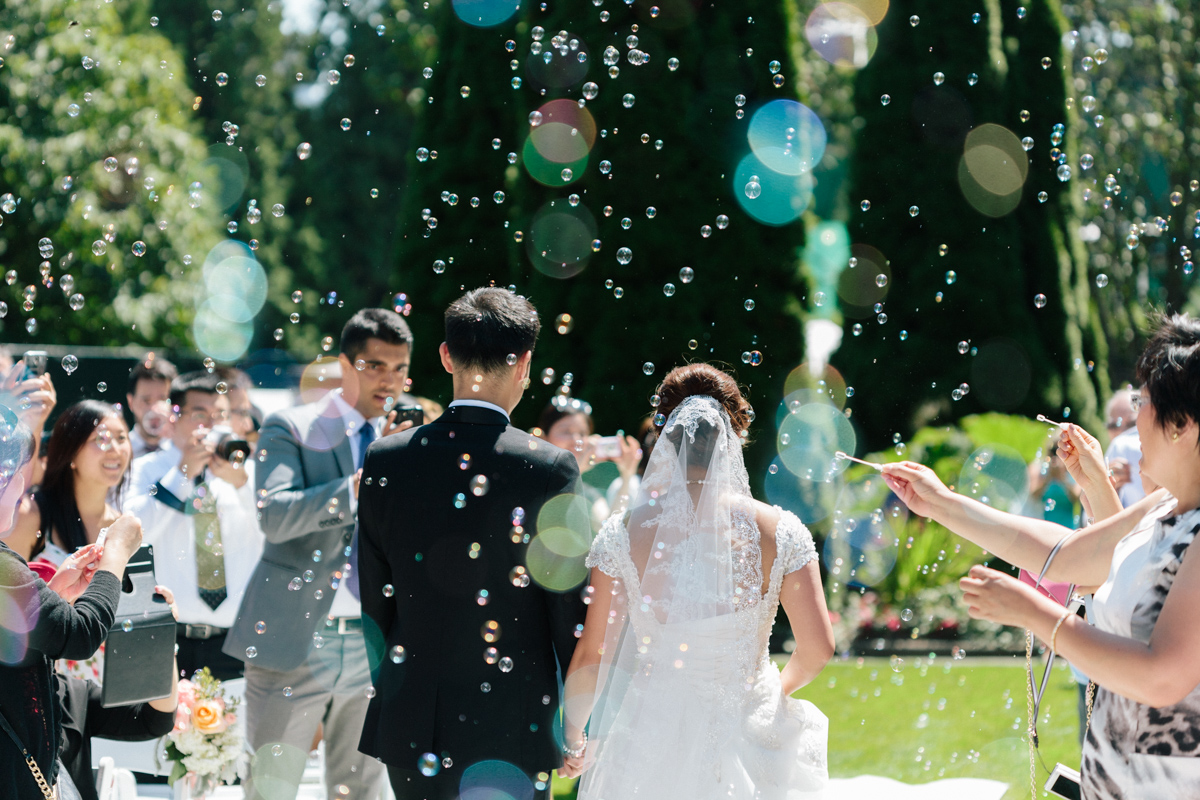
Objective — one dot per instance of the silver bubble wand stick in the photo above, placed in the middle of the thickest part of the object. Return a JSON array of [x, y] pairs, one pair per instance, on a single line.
[[1042, 418], [840, 456]]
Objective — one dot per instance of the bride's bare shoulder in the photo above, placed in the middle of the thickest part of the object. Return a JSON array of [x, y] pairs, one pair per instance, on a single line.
[[767, 517]]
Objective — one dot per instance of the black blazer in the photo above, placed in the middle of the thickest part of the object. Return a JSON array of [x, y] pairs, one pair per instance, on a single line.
[[437, 558]]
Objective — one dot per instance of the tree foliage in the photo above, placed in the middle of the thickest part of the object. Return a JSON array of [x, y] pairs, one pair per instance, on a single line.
[[983, 289], [659, 175], [83, 85]]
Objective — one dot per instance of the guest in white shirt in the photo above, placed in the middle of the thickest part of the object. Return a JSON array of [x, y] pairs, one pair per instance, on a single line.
[[198, 511], [1125, 448], [148, 398]]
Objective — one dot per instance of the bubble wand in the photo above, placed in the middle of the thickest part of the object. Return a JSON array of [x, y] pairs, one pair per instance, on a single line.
[[1062, 425], [840, 456]]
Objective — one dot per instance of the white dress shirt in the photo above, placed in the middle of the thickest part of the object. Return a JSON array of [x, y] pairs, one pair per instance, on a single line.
[[344, 603], [141, 446], [480, 404], [173, 534], [1128, 446]]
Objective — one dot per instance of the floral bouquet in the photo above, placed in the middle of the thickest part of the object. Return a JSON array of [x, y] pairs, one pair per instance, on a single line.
[[206, 744]]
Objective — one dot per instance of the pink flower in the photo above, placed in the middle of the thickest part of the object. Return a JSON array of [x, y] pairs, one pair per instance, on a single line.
[[186, 694], [183, 718]]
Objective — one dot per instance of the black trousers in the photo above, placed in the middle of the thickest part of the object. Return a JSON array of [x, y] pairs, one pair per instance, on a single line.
[[196, 654], [409, 784]]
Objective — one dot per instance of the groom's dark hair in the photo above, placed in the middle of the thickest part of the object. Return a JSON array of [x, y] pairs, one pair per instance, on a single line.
[[485, 326]]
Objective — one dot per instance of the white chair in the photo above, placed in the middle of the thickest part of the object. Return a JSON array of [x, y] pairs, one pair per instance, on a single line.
[[106, 779]]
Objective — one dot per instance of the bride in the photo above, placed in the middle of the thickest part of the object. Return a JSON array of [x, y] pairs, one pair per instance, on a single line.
[[670, 693]]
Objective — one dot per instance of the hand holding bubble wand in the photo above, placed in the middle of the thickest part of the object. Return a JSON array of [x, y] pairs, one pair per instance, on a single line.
[[840, 456]]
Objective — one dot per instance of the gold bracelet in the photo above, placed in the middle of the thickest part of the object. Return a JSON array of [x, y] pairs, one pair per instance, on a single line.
[[1057, 625]]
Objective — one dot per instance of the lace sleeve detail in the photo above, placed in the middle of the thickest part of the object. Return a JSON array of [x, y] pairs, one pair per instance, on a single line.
[[795, 544], [606, 547]]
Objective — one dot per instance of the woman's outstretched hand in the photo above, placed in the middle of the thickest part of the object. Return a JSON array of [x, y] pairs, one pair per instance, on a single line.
[[916, 485], [75, 573], [998, 597], [1083, 457]]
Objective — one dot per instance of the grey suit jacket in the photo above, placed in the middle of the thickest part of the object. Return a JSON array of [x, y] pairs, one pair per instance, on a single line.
[[304, 501]]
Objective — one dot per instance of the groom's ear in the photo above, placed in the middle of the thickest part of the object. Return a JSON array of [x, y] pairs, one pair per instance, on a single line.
[[444, 352]]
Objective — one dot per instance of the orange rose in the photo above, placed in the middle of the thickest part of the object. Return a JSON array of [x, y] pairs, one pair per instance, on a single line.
[[209, 717]]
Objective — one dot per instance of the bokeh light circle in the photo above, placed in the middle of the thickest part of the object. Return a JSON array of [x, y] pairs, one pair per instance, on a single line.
[[218, 336], [810, 436], [783, 198], [495, 780], [842, 33], [992, 170], [811, 501], [861, 546], [786, 136], [996, 476], [858, 286], [555, 558], [560, 237], [486, 13]]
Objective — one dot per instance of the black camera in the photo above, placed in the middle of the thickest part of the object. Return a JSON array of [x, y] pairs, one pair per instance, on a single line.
[[229, 446]]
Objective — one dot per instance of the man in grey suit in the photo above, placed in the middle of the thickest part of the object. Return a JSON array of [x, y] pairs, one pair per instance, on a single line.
[[299, 628]]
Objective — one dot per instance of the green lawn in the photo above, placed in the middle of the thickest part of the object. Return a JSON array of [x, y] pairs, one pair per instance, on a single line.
[[937, 718]]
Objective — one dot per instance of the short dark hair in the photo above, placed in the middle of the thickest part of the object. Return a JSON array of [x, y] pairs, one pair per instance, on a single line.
[[152, 368], [1169, 368], [485, 326], [199, 381], [374, 323]]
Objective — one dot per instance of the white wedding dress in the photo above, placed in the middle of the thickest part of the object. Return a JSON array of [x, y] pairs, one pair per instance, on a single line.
[[688, 705]]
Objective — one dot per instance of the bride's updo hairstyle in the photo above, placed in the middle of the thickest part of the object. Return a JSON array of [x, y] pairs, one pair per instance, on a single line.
[[703, 379]]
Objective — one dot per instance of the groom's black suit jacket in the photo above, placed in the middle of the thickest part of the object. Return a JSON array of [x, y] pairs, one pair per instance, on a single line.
[[438, 558]]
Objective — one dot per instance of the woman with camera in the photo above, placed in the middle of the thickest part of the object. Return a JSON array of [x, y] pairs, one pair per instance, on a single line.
[[1143, 649], [567, 423], [68, 618]]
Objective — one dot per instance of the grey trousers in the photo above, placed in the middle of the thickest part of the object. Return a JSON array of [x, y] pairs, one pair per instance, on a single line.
[[283, 710]]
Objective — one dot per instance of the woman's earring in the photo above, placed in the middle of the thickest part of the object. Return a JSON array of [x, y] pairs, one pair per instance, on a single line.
[[1175, 437]]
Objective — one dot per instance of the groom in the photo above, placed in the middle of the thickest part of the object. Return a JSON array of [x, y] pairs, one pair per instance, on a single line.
[[465, 650]]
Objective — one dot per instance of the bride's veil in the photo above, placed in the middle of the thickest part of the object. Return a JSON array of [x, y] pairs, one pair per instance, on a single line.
[[678, 569]]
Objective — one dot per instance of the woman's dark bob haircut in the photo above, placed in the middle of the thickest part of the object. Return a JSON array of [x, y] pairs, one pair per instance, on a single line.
[[1169, 368]]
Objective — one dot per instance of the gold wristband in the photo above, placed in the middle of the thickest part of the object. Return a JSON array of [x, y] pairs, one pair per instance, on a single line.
[[1057, 625]]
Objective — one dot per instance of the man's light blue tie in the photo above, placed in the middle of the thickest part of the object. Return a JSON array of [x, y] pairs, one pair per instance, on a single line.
[[366, 435]]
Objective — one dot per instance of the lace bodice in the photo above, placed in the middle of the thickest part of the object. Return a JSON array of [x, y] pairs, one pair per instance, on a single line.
[[794, 546]]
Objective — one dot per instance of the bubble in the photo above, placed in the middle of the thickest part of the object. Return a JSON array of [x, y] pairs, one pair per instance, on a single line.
[[70, 364], [896, 662], [506, 664], [139, 249], [217, 14], [1101, 281], [398, 654], [490, 631], [251, 652], [938, 78], [101, 387], [951, 277], [294, 585], [628, 100], [913, 211], [1043, 197], [1027, 143], [479, 485], [303, 151], [914, 20], [222, 79], [753, 187], [498, 197], [1176, 198], [1064, 172], [127, 626], [260, 627]]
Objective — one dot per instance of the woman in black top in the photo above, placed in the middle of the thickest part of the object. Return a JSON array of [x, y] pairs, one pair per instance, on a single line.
[[37, 625]]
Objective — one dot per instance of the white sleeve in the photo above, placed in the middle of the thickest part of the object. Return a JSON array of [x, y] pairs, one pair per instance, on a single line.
[[795, 544], [605, 551]]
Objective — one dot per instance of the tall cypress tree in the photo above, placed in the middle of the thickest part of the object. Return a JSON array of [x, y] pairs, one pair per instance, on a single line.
[[660, 169], [981, 289]]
